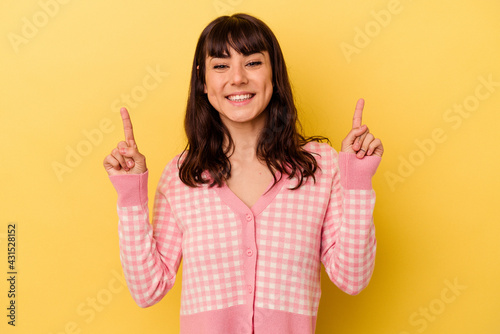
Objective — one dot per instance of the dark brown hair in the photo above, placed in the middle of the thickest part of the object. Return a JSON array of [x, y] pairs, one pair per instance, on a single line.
[[279, 144]]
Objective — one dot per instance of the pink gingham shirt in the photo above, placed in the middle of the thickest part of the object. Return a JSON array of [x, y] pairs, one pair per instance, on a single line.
[[250, 270]]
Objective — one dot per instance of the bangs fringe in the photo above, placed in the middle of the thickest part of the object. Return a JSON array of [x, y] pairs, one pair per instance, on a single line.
[[243, 36]]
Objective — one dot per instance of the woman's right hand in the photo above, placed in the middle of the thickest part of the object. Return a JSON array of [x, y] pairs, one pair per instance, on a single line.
[[125, 158]]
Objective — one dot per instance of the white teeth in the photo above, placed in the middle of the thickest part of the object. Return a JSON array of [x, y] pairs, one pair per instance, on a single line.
[[239, 98]]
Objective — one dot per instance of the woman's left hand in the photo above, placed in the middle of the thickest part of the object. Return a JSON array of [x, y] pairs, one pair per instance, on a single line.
[[359, 140]]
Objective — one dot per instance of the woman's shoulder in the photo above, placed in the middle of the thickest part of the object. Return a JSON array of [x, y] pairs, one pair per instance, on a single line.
[[173, 163], [325, 155], [171, 169], [320, 149]]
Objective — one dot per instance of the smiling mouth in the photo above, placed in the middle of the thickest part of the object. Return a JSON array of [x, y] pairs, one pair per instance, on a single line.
[[240, 98]]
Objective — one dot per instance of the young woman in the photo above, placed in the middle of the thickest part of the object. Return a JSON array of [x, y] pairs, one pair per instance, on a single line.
[[251, 206]]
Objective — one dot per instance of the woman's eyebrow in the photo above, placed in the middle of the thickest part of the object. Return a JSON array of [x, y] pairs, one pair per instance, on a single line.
[[226, 56], [223, 56], [253, 53]]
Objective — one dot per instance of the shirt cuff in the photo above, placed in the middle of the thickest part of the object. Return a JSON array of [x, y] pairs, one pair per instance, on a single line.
[[357, 173], [132, 189]]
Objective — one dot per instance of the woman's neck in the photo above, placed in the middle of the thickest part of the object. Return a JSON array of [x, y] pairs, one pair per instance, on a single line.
[[245, 137]]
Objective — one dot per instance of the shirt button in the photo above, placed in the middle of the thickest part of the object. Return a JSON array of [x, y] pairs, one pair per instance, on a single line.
[[249, 252], [250, 289], [249, 217]]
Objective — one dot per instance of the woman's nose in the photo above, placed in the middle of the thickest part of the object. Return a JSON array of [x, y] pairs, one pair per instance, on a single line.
[[238, 75]]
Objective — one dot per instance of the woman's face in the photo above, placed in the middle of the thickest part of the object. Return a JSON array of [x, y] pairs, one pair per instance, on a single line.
[[239, 87]]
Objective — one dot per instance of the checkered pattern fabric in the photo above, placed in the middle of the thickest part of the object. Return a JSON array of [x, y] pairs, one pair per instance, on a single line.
[[266, 257]]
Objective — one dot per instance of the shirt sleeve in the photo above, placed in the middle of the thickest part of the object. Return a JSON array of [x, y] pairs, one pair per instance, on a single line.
[[150, 254], [348, 242]]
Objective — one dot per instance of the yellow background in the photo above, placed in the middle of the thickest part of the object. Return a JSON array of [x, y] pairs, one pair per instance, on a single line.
[[437, 207]]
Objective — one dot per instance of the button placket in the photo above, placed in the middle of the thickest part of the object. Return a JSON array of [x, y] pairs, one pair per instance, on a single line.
[[249, 254]]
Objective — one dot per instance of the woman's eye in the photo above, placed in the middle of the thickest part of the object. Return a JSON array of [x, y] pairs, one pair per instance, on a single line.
[[254, 63], [218, 67]]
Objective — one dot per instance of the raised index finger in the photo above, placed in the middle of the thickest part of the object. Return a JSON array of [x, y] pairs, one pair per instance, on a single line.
[[358, 114], [127, 127]]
